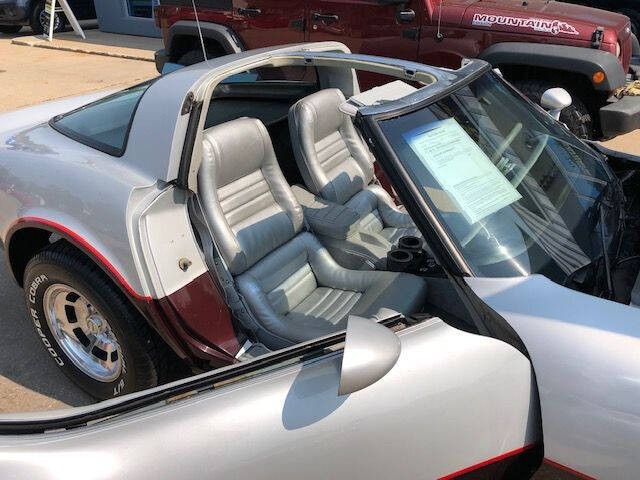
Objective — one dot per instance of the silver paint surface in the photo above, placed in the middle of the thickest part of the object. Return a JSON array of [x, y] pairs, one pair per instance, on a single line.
[[586, 355], [452, 400]]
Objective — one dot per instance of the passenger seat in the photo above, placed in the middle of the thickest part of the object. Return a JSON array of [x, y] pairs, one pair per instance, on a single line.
[[336, 165], [293, 287]]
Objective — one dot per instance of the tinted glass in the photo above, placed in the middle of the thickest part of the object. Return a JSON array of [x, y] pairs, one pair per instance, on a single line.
[[103, 125]]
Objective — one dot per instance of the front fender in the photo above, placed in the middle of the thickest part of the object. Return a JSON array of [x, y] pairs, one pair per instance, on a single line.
[[583, 61], [584, 351]]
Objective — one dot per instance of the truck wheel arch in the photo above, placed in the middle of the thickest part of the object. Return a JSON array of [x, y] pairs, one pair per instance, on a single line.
[[578, 60], [183, 36]]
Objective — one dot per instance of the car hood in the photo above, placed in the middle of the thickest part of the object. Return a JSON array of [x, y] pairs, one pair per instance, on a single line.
[[541, 17], [584, 351]]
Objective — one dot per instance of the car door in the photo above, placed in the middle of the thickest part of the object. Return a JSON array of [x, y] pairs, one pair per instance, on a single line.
[[454, 405], [270, 22], [373, 27]]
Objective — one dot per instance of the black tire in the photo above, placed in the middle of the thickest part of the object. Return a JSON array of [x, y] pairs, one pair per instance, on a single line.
[[143, 355], [195, 56], [9, 29], [36, 20], [576, 117]]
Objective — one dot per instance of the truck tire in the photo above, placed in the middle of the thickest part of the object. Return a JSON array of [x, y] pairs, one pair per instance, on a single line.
[[88, 327], [9, 29], [195, 56], [39, 20], [576, 117]]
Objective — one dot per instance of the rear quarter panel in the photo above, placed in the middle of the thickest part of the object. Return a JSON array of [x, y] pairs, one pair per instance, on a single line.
[[45, 175]]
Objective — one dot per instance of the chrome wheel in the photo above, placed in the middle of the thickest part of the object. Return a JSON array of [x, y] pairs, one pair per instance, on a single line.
[[83, 333]]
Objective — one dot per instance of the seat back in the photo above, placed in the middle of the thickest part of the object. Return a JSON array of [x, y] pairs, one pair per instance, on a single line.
[[247, 201], [334, 161]]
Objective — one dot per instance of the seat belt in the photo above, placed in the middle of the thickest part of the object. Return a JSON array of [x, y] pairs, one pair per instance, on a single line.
[[236, 302]]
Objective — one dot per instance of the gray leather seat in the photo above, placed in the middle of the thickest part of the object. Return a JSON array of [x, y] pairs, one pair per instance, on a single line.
[[336, 165], [293, 287]]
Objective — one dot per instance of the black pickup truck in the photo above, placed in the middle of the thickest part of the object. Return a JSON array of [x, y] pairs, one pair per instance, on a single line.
[[14, 14]]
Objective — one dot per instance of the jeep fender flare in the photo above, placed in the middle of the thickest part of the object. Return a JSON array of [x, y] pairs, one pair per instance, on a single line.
[[225, 36], [580, 60]]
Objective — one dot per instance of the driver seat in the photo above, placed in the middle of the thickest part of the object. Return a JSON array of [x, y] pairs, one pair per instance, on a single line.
[[291, 284]]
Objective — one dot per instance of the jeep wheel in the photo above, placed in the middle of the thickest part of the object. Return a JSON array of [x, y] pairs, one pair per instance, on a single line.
[[576, 117], [39, 20], [9, 29], [90, 330], [195, 56]]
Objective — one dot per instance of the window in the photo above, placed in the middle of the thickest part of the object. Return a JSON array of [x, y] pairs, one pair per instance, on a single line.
[[140, 8], [103, 125]]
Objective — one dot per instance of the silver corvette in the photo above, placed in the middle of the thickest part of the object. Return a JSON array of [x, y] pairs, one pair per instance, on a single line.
[[430, 279]]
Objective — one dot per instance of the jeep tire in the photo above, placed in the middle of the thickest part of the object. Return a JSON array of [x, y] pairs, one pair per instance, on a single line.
[[576, 117], [76, 310], [195, 56], [37, 18]]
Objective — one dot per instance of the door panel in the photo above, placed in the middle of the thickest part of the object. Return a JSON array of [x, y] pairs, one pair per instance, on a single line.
[[453, 404], [264, 23], [367, 27], [585, 352]]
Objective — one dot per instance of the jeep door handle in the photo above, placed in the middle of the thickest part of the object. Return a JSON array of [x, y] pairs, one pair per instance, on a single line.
[[249, 12], [320, 17]]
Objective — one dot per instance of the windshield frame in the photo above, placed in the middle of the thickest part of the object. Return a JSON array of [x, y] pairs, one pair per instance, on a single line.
[[369, 120]]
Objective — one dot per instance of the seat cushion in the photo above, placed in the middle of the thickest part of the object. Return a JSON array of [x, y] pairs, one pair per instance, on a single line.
[[298, 293], [329, 306]]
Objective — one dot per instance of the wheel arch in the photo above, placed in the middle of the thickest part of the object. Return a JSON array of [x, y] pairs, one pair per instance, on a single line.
[[580, 61], [183, 36], [29, 235]]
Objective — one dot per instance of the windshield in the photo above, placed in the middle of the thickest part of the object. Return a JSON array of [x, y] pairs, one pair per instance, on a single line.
[[515, 190]]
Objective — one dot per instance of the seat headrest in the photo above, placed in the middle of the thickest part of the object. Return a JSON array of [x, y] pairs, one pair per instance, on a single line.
[[333, 159], [247, 201]]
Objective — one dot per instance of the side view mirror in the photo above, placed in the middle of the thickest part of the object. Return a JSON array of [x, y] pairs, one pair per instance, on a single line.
[[370, 351], [555, 100]]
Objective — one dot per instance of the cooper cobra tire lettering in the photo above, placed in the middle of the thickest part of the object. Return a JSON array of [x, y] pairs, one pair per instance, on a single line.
[[33, 290], [143, 357]]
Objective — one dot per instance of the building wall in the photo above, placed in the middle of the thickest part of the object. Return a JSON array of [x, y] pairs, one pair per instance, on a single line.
[[127, 16]]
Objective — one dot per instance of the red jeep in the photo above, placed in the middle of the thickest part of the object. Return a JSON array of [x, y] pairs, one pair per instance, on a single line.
[[537, 44]]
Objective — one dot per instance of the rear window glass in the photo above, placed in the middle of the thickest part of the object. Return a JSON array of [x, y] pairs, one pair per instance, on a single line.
[[103, 125]]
